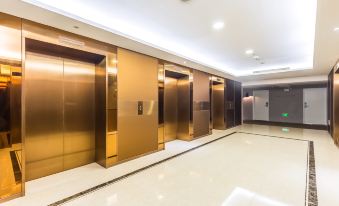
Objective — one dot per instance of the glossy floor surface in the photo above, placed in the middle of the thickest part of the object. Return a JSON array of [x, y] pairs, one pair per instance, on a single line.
[[254, 166]]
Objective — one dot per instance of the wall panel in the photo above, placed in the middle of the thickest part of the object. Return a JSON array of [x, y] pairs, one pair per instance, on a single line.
[[290, 102], [237, 103], [218, 106], [201, 103], [229, 95], [137, 104]]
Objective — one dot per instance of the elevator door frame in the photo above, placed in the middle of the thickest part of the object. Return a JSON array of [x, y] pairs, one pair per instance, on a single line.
[[88, 69]]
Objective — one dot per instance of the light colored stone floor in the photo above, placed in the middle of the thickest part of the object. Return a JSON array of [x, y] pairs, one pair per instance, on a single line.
[[326, 158], [242, 169]]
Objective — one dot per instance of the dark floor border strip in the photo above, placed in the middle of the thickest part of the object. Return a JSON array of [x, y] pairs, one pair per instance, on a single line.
[[307, 171], [274, 136], [287, 124], [100, 186], [312, 178]]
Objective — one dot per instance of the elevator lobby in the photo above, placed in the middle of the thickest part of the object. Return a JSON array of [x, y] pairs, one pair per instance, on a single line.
[[172, 102]]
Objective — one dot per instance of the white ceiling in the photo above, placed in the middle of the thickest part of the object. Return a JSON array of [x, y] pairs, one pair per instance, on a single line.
[[283, 33]]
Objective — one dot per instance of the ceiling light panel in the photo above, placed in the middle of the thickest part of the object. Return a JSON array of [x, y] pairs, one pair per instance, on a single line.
[[249, 52], [218, 25], [284, 40]]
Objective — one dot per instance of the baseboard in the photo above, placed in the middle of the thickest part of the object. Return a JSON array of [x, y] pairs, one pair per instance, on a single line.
[[286, 124]]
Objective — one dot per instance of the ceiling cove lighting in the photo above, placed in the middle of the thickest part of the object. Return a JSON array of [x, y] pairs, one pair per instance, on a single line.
[[120, 25], [218, 25], [271, 70]]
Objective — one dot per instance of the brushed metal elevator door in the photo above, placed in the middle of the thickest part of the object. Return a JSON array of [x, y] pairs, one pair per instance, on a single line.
[[59, 114], [218, 106], [44, 115], [79, 141], [183, 131], [171, 109]]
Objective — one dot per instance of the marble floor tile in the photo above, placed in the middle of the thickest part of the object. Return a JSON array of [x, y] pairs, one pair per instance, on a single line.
[[258, 165]]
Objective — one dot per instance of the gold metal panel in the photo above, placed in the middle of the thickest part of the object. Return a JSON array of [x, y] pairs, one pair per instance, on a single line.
[[161, 91], [201, 103], [44, 167], [137, 82], [161, 133], [336, 107], [170, 109], [183, 131], [177, 68], [111, 149], [161, 146], [100, 113], [10, 36], [111, 161], [59, 114], [79, 141], [15, 102], [105, 119], [218, 105], [44, 115], [55, 36], [11, 165]]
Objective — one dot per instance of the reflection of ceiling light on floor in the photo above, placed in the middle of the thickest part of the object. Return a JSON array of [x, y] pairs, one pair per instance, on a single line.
[[160, 197], [240, 196]]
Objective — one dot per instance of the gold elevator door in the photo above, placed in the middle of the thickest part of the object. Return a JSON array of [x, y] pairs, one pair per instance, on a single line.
[[176, 106], [59, 114]]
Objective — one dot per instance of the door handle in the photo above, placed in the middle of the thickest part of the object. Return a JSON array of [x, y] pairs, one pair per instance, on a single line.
[[266, 104]]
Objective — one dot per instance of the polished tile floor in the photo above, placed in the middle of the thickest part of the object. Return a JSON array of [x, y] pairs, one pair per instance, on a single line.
[[254, 166]]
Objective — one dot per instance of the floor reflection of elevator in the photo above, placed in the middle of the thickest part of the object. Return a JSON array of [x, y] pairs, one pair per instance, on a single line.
[[60, 113], [10, 133], [176, 105]]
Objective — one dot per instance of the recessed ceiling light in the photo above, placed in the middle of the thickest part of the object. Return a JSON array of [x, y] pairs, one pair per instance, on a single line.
[[75, 27], [336, 29], [256, 57], [218, 25], [185, 62], [249, 51]]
